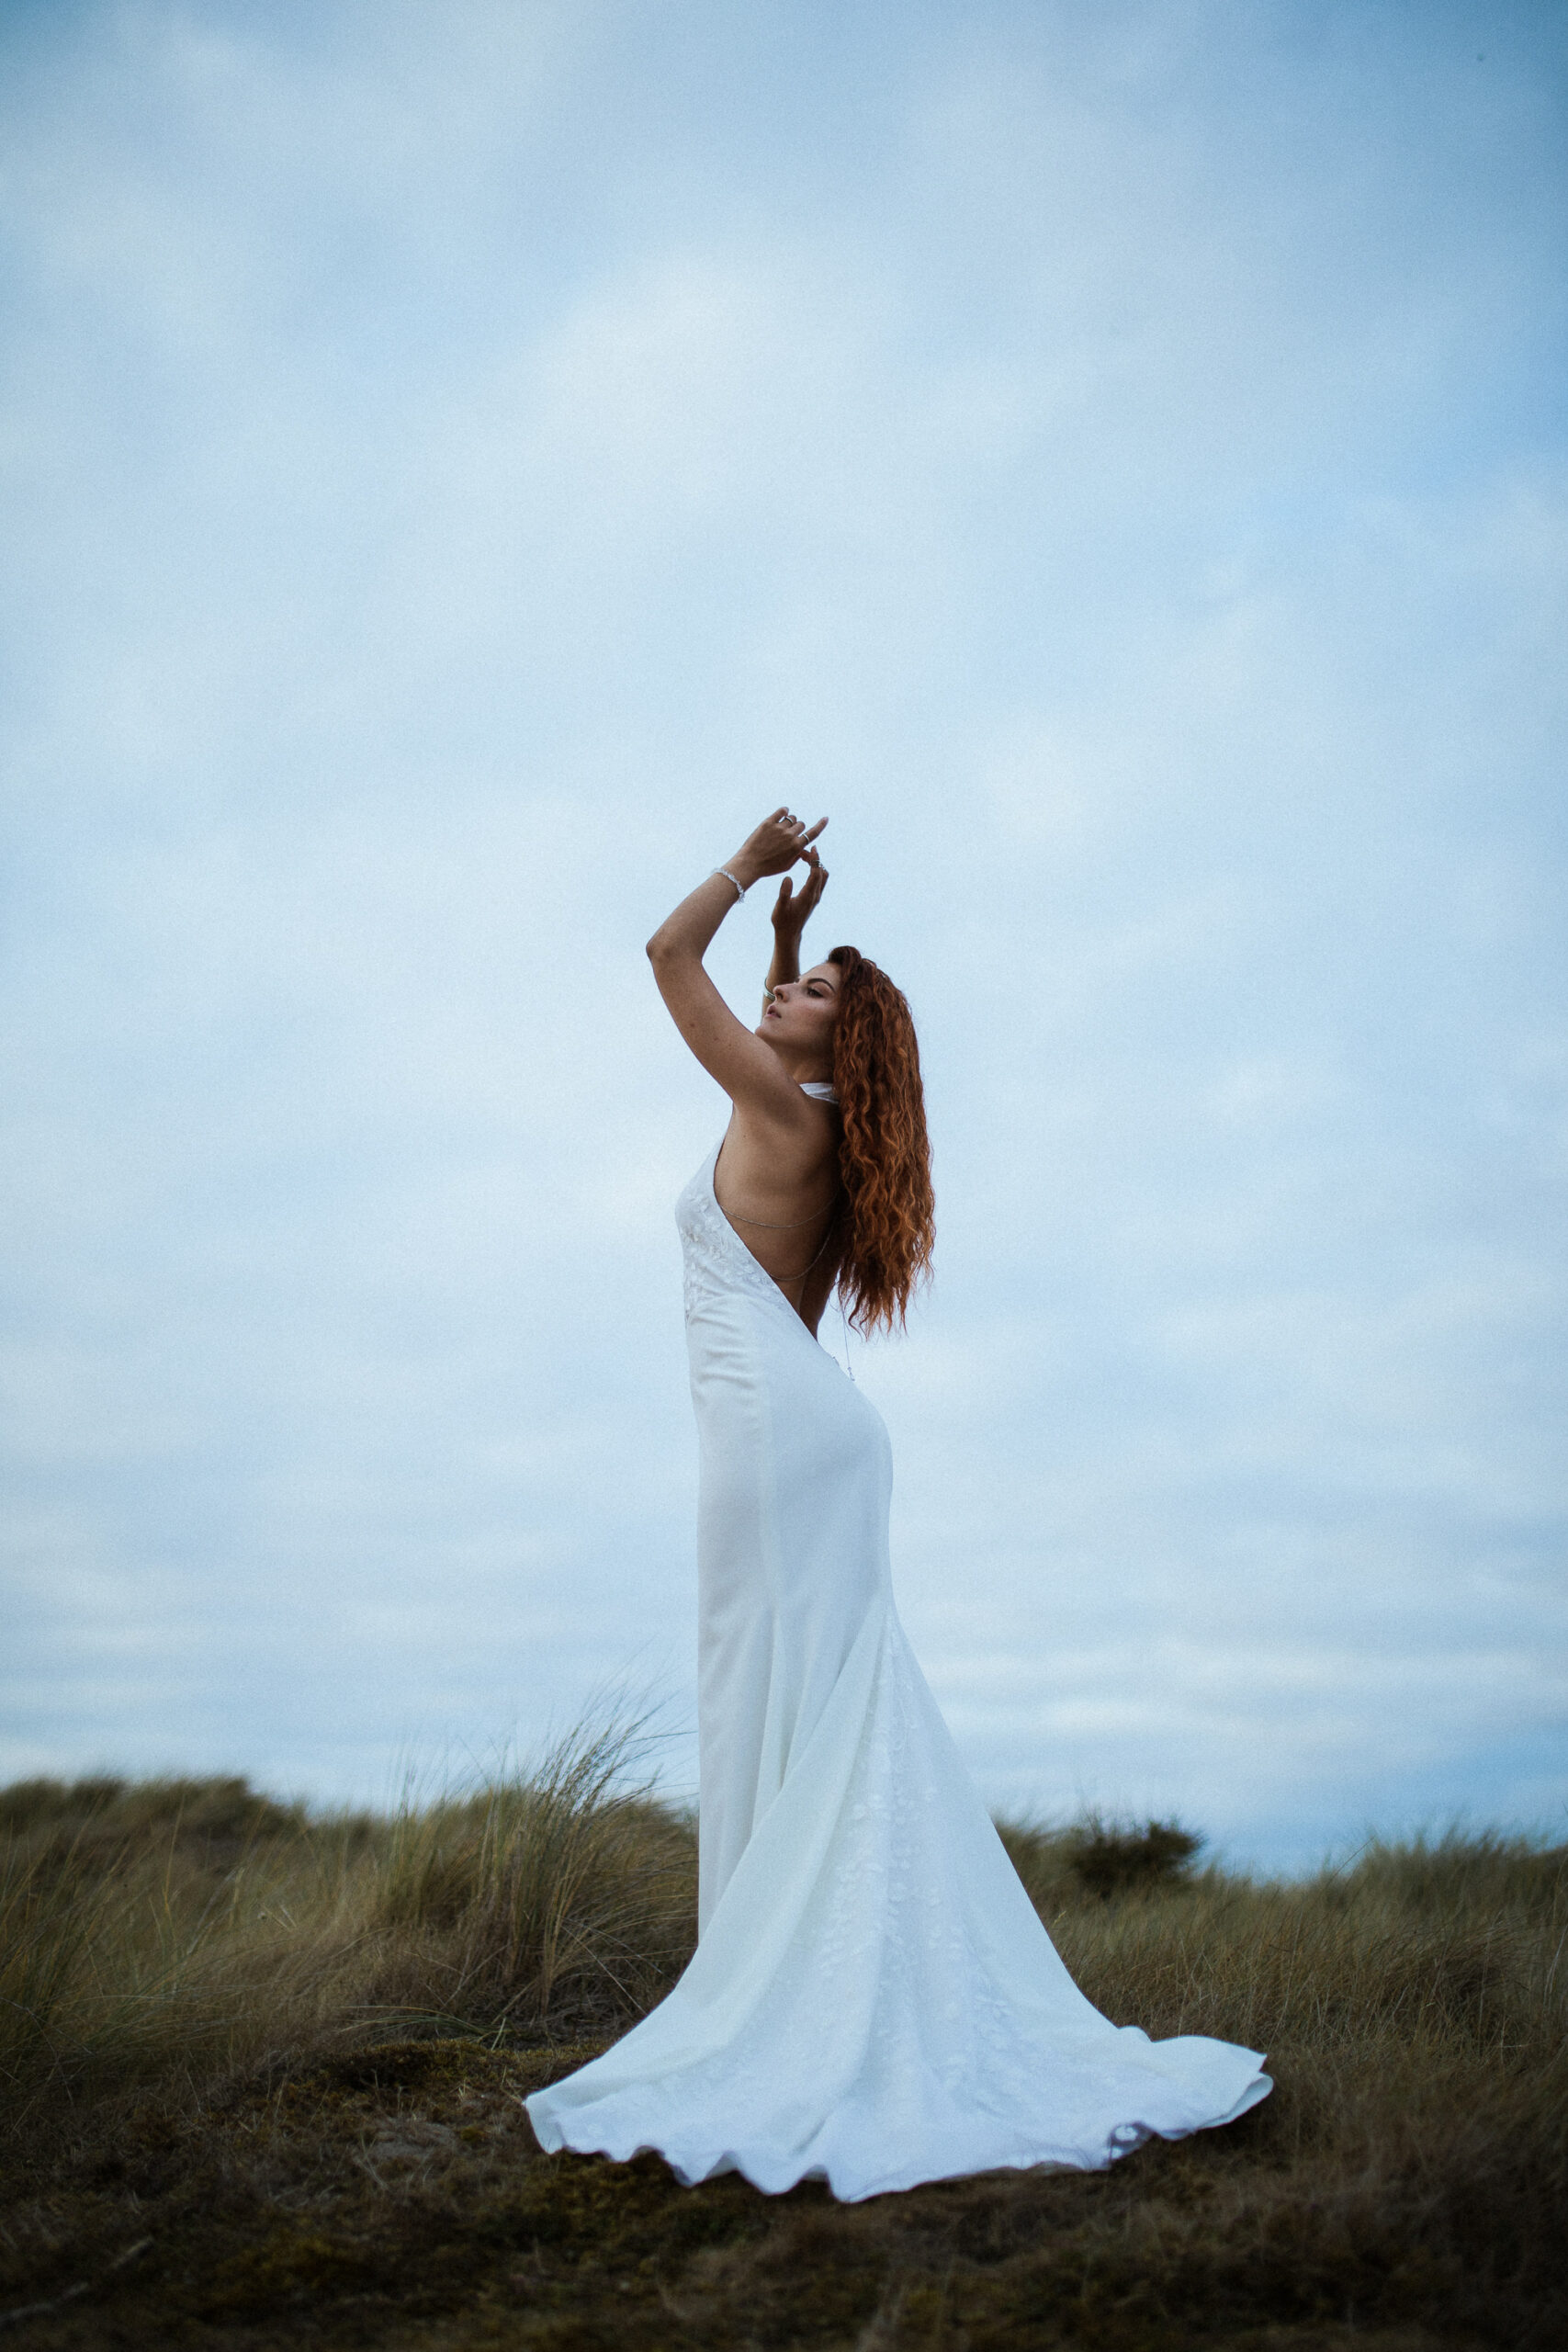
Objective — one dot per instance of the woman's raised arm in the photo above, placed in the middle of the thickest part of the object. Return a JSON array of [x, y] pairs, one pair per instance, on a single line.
[[746, 1068]]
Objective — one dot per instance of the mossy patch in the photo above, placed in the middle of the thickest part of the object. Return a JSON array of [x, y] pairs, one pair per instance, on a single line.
[[393, 2194]]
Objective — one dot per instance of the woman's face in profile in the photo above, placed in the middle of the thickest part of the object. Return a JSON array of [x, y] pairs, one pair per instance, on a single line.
[[800, 1018]]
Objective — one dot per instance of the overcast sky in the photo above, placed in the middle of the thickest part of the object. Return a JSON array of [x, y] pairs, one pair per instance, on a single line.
[[465, 462]]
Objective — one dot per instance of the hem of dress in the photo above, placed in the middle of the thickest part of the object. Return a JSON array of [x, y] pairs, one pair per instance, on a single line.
[[693, 2167]]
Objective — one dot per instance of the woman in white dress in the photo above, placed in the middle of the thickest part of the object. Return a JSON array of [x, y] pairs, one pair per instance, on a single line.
[[873, 2000]]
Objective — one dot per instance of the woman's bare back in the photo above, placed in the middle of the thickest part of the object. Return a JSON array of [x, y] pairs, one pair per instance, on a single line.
[[781, 1192]]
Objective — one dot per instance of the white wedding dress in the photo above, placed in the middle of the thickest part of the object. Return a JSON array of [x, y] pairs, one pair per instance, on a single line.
[[873, 2000]]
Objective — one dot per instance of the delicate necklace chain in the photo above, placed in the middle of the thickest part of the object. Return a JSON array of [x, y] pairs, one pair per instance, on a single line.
[[768, 1227], [832, 1215]]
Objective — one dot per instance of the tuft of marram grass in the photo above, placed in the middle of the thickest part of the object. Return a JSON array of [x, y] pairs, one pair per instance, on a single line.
[[186, 1928], [551, 1904]]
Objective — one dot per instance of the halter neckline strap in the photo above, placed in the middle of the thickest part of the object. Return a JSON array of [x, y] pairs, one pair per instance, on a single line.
[[819, 1089]]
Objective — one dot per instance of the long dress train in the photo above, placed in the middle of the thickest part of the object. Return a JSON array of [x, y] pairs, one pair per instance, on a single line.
[[874, 1999]]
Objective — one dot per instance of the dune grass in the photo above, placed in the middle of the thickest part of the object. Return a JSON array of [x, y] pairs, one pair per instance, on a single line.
[[262, 2076]]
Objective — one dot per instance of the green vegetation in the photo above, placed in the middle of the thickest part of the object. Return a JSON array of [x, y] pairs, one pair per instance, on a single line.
[[263, 2073]]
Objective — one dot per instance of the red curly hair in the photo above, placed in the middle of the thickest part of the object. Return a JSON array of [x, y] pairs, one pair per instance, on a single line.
[[885, 1160]]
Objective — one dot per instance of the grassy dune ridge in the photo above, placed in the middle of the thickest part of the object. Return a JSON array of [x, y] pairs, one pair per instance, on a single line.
[[263, 2073]]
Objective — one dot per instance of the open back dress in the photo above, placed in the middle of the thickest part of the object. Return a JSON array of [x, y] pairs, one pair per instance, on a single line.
[[873, 2000]]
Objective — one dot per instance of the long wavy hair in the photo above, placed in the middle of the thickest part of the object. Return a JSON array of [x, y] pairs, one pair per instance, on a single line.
[[885, 1160]]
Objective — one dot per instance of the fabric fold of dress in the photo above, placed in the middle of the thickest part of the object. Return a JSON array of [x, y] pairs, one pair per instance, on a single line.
[[873, 2000]]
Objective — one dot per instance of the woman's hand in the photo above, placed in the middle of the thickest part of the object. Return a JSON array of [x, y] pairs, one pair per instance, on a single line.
[[793, 910], [779, 842]]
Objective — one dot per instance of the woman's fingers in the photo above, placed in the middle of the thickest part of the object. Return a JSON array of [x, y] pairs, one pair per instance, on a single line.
[[793, 908], [806, 904], [804, 833], [782, 838]]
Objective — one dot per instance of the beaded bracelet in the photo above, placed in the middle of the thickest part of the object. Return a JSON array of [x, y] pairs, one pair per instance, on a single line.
[[740, 886]]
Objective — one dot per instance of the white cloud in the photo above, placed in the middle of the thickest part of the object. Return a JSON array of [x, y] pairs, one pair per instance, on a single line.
[[460, 468]]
